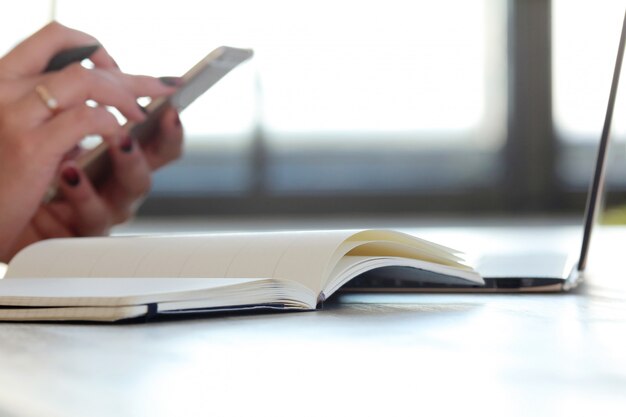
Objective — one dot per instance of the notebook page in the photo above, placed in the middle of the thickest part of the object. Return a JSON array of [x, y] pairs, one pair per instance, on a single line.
[[302, 256], [111, 292]]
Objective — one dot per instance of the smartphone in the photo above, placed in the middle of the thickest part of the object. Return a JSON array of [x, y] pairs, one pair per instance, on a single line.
[[96, 163]]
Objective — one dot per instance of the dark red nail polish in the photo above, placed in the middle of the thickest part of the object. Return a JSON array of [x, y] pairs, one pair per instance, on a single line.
[[172, 81], [71, 176], [127, 144]]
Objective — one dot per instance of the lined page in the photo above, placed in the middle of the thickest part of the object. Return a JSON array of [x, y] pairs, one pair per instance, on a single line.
[[108, 292], [301, 256]]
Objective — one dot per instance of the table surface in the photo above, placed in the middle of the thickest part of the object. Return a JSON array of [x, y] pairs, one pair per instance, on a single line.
[[374, 354]]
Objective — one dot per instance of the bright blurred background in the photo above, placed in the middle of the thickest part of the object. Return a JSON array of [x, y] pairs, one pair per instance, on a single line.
[[457, 107]]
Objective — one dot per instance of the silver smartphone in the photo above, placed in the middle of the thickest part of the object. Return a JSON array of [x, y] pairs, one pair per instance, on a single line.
[[96, 163]]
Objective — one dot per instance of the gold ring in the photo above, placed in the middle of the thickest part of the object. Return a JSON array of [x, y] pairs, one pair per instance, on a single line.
[[48, 99]]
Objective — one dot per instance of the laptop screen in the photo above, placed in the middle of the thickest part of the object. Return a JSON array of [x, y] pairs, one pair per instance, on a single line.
[[597, 184]]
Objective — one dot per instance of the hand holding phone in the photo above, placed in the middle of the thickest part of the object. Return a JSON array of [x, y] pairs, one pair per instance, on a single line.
[[96, 164]]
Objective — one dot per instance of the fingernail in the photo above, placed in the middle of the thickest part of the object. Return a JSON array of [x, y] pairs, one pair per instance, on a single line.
[[171, 81], [71, 176], [177, 122], [127, 144]]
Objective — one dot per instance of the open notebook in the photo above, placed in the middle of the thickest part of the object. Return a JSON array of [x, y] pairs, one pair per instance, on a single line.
[[123, 277]]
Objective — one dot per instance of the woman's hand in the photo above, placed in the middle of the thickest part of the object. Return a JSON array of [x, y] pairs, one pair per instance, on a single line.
[[86, 211], [35, 139], [21, 70]]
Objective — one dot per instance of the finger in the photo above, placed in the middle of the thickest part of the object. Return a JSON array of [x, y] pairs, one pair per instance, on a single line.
[[62, 211], [32, 55], [101, 59], [91, 215], [131, 180], [166, 145], [14, 90], [146, 86], [75, 85], [47, 225], [63, 132]]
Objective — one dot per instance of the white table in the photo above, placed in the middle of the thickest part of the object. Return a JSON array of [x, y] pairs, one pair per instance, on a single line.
[[378, 355]]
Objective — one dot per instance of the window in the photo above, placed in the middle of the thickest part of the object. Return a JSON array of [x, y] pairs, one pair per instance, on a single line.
[[355, 103], [342, 97], [585, 39]]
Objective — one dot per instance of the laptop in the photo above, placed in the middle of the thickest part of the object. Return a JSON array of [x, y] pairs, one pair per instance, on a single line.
[[530, 268]]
